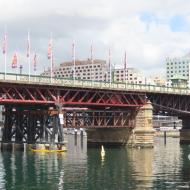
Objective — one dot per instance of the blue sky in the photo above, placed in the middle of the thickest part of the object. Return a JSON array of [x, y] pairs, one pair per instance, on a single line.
[[148, 30]]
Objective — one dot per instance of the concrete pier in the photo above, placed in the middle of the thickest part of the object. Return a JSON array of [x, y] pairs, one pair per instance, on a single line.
[[141, 135], [18, 146], [185, 136], [6, 146], [185, 131]]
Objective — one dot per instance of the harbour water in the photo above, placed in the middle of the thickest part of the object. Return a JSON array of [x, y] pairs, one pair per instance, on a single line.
[[167, 166]]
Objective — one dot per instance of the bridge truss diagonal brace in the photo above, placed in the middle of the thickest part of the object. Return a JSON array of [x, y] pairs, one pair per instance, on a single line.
[[70, 96]]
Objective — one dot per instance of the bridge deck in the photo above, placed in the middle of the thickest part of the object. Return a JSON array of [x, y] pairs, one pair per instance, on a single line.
[[66, 82]]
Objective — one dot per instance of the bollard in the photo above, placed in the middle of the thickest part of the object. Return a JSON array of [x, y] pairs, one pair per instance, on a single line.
[[165, 137]]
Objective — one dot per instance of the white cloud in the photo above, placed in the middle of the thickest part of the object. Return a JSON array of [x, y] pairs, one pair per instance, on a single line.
[[109, 23]]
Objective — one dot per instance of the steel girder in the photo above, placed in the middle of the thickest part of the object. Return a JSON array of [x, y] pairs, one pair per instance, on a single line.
[[99, 119], [173, 104], [38, 94]]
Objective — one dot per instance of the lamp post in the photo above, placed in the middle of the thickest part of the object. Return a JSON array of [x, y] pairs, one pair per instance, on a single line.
[[20, 67]]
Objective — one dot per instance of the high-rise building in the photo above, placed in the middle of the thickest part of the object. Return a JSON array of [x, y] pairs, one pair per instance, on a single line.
[[178, 67]]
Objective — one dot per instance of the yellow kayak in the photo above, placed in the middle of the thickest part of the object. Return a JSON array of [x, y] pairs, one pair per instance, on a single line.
[[47, 151]]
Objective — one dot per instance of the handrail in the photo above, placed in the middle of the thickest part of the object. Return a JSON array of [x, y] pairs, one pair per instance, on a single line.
[[38, 79]]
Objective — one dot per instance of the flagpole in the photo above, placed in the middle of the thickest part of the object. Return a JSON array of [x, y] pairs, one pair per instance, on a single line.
[[28, 55], [51, 60], [73, 48], [125, 67], [5, 60], [91, 56], [5, 51], [110, 65]]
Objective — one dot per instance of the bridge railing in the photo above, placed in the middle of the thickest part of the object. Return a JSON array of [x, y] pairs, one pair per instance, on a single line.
[[38, 79]]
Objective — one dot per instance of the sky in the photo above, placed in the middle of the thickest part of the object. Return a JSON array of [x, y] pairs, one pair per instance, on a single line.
[[148, 30]]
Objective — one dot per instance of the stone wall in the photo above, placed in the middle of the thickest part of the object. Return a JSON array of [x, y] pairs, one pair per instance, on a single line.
[[141, 135]]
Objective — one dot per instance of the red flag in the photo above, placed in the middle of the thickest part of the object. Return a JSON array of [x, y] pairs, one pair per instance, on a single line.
[[14, 61], [4, 47], [49, 54], [35, 62]]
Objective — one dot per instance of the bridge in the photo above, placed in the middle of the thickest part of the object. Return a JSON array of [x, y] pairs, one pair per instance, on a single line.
[[33, 108]]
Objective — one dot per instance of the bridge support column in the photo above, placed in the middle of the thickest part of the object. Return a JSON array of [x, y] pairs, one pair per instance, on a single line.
[[7, 129], [185, 131], [141, 135]]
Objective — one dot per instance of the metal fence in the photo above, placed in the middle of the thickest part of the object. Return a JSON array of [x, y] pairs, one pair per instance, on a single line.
[[44, 80]]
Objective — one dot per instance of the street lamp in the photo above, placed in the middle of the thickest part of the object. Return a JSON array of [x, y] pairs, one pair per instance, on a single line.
[[20, 69]]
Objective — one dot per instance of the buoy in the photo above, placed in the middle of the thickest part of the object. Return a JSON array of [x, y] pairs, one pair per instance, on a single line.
[[102, 151]]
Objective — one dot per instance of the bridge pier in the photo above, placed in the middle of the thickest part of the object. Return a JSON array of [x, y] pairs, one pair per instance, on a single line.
[[185, 131], [141, 135], [6, 135]]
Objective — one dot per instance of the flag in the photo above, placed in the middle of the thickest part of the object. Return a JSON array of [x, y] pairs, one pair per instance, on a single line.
[[35, 62], [28, 46], [125, 61], [14, 61], [4, 47], [50, 49]]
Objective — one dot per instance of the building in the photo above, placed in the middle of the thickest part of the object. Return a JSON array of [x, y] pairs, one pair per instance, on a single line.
[[177, 67], [158, 80], [84, 69], [98, 71], [130, 75]]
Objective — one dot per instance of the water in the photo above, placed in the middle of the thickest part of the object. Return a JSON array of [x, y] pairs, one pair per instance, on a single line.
[[164, 167]]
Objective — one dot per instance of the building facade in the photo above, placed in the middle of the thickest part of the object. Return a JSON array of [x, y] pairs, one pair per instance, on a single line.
[[84, 69], [179, 66], [130, 75], [97, 70]]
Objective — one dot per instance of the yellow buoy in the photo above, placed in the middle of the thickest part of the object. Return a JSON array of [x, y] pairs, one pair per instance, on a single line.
[[102, 151]]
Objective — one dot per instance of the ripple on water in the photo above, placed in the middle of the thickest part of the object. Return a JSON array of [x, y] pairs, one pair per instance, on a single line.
[[164, 167]]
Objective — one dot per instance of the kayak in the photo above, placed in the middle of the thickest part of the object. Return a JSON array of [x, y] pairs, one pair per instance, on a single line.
[[47, 151]]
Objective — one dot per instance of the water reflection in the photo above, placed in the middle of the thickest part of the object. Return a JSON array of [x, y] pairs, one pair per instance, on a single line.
[[164, 167]]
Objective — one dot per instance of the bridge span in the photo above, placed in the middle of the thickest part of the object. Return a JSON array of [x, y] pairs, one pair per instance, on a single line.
[[27, 104]]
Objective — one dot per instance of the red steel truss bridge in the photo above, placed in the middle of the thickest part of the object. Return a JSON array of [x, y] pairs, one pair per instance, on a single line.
[[39, 90], [32, 106]]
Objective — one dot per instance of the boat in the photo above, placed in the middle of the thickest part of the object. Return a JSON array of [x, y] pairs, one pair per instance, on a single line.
[[48, 151]]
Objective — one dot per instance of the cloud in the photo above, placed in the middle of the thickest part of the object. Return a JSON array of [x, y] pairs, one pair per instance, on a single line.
[[148, 30]]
